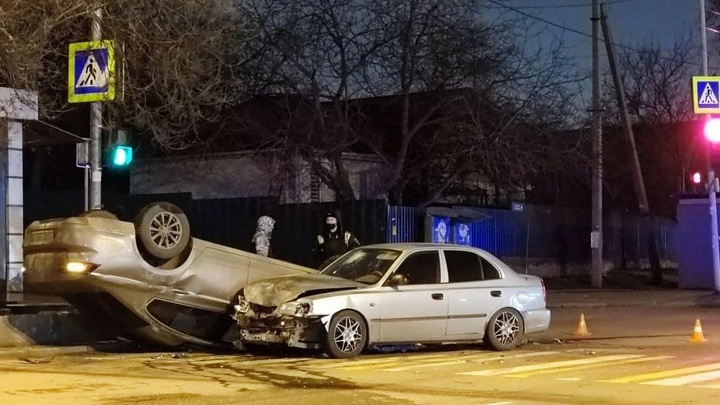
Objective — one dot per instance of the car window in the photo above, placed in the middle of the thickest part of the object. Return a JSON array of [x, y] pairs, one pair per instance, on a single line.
[[467, 266], [362, 265], [421, 268], [197, 322]]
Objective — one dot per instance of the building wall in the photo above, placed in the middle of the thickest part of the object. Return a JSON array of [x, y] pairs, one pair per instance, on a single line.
[[243, 175]]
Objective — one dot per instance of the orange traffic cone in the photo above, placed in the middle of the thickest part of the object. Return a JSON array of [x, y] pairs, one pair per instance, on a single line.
[[582, 327], [697, 335]]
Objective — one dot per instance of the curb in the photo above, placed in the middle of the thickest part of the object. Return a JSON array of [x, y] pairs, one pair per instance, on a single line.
[[49, 328], [36, 354]]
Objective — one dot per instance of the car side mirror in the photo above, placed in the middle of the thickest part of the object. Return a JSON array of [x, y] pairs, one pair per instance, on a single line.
[[397, 279]]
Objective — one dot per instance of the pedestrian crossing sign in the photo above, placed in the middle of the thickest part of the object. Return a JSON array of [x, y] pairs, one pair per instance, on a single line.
[[706, 94], [91, 73]]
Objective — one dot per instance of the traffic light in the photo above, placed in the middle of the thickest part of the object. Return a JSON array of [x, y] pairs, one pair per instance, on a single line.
[[696, 178], [712, 130], [121, 155]]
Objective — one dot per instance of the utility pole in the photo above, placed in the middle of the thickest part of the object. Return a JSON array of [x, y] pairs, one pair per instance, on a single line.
[[596, 235], [711, 172], [95, 147], [638, 182]]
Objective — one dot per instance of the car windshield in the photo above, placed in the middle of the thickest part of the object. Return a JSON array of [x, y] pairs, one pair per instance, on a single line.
[[366, 266]]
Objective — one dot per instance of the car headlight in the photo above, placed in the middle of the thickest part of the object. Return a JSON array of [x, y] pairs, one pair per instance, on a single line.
[[294, 308], [80, 267]]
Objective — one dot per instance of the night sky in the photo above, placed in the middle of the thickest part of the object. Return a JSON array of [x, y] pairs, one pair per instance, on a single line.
[[633, 23]]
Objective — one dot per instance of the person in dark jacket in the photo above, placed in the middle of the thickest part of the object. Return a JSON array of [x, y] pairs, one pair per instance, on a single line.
[[334, 240]]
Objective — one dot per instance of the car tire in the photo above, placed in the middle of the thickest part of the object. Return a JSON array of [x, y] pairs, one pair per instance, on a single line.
[[504, 330], [347, 335], [162, 230]]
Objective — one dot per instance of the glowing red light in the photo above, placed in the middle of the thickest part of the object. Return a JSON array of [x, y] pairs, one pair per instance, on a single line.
[[712, 130], [696, 178]]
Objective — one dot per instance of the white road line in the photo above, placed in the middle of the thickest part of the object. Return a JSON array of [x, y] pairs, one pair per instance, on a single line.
[[592, 365], [407, 361], [688, 379], [666, 373], [555, 364], [334, 363], [465, 360]]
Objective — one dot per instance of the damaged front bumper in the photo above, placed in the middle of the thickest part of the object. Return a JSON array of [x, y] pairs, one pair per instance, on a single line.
[[264, 325]]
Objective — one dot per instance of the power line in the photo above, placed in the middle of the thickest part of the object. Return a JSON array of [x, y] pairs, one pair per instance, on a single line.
[[569, 29], [570, 5]]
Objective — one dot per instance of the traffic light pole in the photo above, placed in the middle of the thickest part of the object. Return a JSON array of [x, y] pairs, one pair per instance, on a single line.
[[712, 189], [95, 150], [714, 228]]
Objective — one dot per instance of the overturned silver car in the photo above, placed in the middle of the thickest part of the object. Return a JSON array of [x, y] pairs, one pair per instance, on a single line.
[[395, 294], [150, 277]]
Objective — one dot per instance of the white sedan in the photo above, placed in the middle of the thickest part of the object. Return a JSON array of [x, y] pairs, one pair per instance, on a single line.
[[391, 294]]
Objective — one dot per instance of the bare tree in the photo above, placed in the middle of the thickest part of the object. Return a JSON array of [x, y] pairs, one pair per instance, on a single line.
[[313, 56], [394, 77], [656, 84], [174, 58]]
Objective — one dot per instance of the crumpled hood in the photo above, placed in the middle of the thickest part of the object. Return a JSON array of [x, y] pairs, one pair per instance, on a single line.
[[275, 291]]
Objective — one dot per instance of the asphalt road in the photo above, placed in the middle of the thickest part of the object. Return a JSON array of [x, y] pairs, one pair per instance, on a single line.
[[638, 355]]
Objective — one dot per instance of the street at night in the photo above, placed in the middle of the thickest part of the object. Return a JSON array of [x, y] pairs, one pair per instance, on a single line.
[[632, 355]]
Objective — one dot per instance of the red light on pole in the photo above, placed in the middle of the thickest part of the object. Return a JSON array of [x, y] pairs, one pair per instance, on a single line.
[[712, 130], [696, 178]]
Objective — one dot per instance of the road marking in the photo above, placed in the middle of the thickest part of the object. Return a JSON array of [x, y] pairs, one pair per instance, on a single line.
[[666, 374], [592, 365], [470, 358], [551, 365], [363, 362], [688, 379], [267, 360]]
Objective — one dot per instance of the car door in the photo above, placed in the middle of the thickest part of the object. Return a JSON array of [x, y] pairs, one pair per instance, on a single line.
[[416, 311], [472, 292]]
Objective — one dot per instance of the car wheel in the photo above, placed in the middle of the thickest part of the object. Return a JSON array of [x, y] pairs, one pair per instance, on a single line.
[[162, 230], [504, 330], [347, 335]]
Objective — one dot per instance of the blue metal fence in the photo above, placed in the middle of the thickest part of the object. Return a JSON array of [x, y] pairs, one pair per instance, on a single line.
[[544, 232]]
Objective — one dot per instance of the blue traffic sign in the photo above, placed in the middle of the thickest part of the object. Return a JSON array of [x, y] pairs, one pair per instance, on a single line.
[[706, 94], [91, 73]]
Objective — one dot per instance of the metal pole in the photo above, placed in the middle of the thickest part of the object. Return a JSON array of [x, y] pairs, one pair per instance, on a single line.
[[596, 236], [95, 128], [86, 172], [712, 189]]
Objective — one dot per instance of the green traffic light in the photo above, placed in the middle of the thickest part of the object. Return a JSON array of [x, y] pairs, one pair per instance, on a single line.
[[122, 155]]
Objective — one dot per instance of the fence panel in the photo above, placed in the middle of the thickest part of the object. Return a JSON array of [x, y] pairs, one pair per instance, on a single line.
[[536, 231]]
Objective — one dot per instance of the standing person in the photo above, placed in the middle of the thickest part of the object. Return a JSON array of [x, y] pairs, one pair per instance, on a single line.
[[333, 241], [263, 234]]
